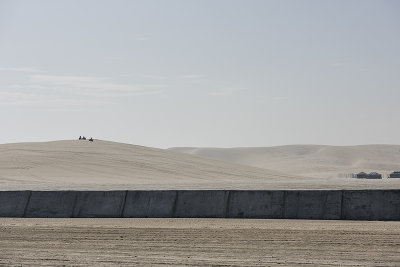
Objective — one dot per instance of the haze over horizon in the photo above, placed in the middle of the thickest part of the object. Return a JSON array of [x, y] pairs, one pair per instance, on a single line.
[[201, 74]]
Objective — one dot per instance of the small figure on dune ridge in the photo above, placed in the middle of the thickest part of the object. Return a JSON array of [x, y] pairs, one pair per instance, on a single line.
[[84, 138]]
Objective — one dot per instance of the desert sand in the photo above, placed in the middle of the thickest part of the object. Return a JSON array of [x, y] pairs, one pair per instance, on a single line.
[[103, 165], [197, 242], [309, 160]]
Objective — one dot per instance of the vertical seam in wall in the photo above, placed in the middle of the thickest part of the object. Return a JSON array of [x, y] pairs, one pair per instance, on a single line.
[[284, 205], [298, 203], [228, 203], [123, 204], [76, 213], [175, 204], [324, 207], [341, 205], [73, 205], [27, 203]]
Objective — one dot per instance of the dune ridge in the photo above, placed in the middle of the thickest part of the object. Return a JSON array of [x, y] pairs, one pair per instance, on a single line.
[[104, 165], [309, 160]]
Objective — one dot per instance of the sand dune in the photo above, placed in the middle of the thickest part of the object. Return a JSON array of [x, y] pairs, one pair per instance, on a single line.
[[309, 160], [107, 165], [102, 165]]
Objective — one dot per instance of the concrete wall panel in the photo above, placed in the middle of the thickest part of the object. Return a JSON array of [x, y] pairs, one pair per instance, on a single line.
[[371, 205], [313, 204], [98, 204], [201, 204], [13, 203], [144, 204], [52, 204], [255, 204]]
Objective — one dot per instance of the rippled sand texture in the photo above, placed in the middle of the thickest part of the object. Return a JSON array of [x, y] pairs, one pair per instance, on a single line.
[[198, 242]]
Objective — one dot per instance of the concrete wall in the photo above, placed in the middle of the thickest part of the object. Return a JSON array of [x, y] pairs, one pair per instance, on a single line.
[[371, 205], [13, 203], [313, 204], [256, 204], [144, 204], [274, 204], [56, 204], [99, 204], [200, 204]]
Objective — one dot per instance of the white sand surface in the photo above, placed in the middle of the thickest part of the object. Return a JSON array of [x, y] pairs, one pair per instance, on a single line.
[[309, 160], [102, 165]]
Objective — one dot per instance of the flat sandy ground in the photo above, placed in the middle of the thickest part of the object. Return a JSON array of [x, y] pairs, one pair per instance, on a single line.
[[200, 242]]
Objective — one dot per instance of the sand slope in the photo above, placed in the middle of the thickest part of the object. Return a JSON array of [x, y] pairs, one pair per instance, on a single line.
[[309, 160], [109, 165], [106, 165]]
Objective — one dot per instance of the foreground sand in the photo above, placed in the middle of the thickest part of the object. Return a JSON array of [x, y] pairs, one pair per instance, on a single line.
[[102, 165], [202, 242]]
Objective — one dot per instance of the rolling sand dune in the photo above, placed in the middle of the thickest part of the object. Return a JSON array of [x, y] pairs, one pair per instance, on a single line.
[[309, 160], [102, 165]]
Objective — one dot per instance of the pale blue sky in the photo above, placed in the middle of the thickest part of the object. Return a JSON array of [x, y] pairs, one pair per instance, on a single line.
[[201, 73]]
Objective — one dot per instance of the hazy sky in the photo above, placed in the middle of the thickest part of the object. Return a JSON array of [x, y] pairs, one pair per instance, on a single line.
[[201, 73]]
